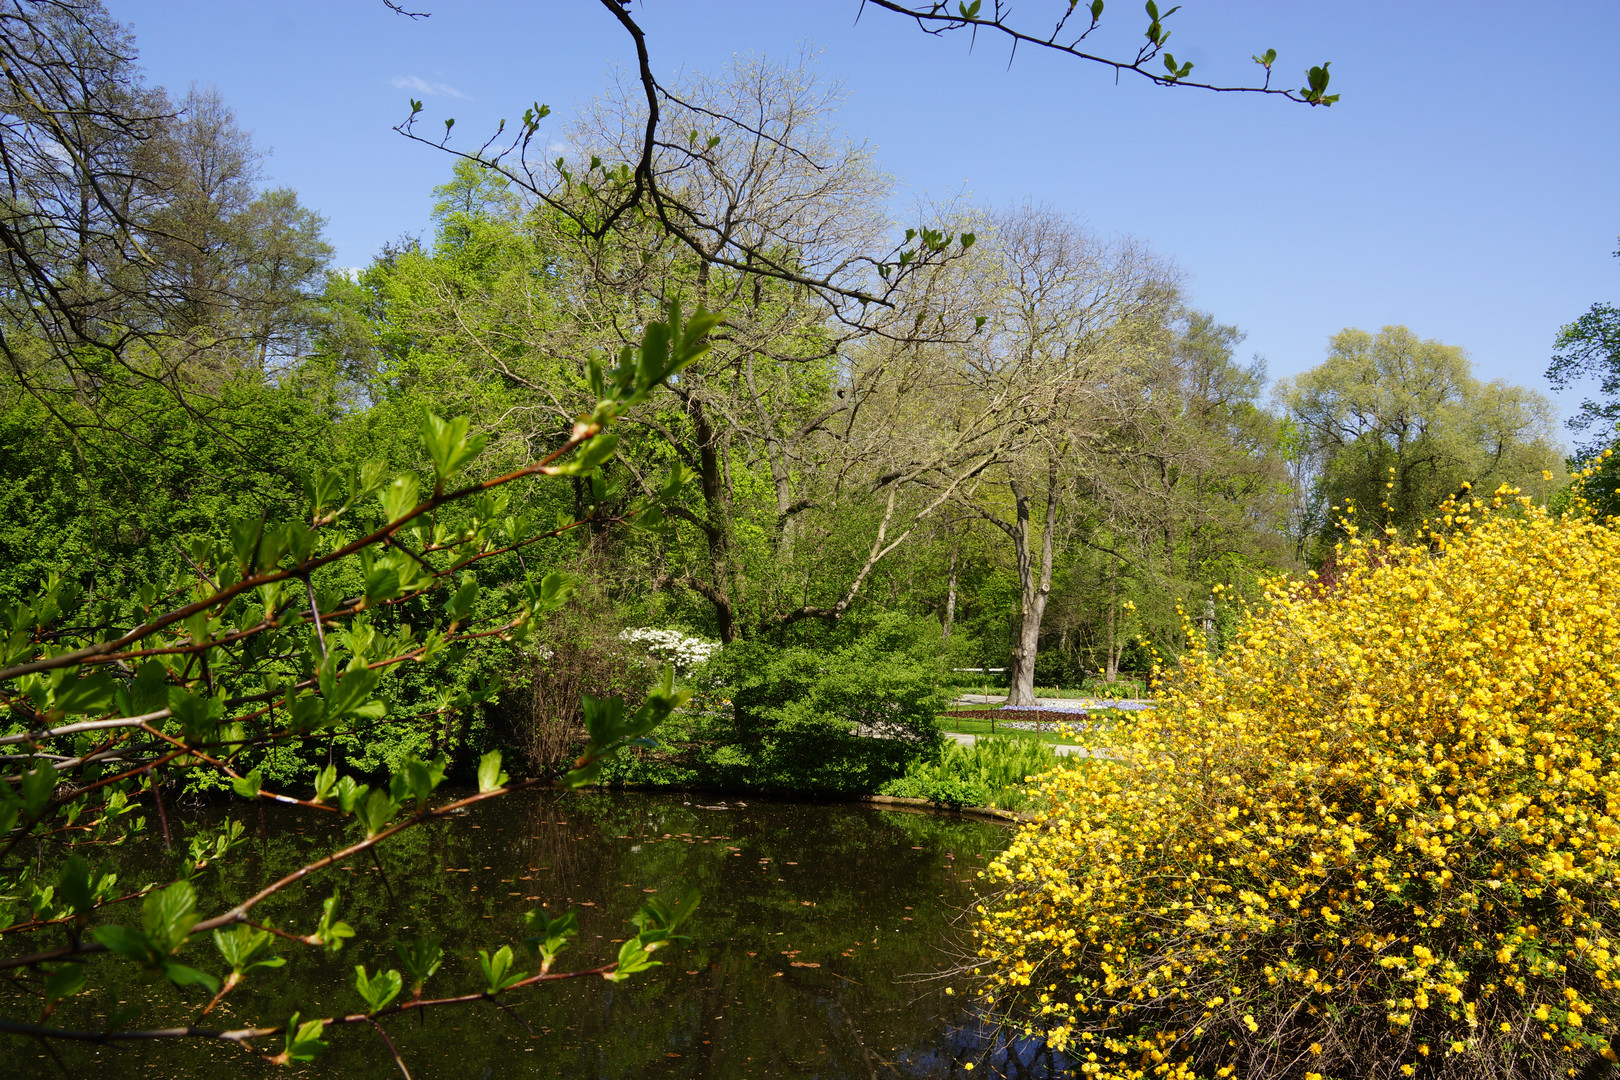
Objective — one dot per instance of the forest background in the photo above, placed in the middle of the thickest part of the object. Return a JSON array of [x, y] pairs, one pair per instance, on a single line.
[[1026, 449]]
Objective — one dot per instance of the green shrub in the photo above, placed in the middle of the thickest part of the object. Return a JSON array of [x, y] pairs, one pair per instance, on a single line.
[[839, 718], [990, 772]]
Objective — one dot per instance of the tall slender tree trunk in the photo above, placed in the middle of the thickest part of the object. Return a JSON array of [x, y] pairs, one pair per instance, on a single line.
[[950, 599], [1035, 585], [1111, 660]]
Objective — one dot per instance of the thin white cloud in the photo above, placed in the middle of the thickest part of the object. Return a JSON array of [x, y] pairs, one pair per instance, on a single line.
[[426, 89]]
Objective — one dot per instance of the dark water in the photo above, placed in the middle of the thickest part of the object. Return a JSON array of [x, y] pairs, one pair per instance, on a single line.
[[812, 951]]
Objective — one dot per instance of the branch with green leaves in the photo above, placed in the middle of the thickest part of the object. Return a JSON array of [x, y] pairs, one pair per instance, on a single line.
[[262, 657], [1076, 22]]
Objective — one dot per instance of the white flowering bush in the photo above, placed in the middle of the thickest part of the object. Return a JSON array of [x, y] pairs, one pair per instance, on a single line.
[[671, 647]]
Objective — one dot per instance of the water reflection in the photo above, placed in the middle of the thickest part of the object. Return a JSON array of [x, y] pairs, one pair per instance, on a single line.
[[810, 952]]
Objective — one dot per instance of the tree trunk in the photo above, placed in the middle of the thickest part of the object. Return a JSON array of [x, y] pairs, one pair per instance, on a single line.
[[950, 600], [715, 520], [1035, 586], [1112, 651]]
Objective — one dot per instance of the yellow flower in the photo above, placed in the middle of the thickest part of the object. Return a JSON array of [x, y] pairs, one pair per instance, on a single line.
[[1364, 802]]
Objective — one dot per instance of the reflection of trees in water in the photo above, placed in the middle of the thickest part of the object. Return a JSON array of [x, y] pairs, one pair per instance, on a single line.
[[848, 875]]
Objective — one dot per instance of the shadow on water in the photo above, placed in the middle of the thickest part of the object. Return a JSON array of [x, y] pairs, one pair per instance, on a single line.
[[810, 954]]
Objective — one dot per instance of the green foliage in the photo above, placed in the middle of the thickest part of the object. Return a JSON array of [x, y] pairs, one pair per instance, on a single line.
[[549, 935], [167, 916], [990, 772], [1589, 348], [657, 923], [497, 968], [379, 989], [272, 633], [422, 959], [304, 1040], [841, 715], [245, 948], [1394, 424], [331, 931]]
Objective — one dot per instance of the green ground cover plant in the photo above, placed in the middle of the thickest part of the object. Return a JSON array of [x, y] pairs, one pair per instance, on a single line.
[[990, 772]]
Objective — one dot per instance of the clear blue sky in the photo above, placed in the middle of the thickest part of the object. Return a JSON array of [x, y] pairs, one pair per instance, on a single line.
[[1465, 185]]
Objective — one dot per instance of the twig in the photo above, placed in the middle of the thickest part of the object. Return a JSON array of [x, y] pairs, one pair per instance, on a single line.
[[501, 1005], [392, 1050], [376, 859], [157, 797], [315, 613]]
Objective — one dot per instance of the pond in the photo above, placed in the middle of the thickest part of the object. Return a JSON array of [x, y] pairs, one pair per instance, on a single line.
[[814, 950]]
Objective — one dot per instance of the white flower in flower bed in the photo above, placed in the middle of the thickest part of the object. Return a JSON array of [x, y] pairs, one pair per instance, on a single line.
[[671, 647]]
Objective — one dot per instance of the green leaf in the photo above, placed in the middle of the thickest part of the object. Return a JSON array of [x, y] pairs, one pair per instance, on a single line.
[[550, 592], [248, 786], [198, 716], [245, 947], [63, 983], [421, 959], [181, 975], [421, 777], [603, 717], [74, 885], [331, 931], [634, 957], [382, 583], [122, 941], [92, 695], [304, 1040], [377, 990], [325, 783], [593, 454], [490, 776], [1096, 10], [376, 812], [38, 785], [147, 692], [349, 695], [448, 444], [306, 713], [350, 794], [498, 975], [549, 936], [461, 602], [399, 498], [168, 915]]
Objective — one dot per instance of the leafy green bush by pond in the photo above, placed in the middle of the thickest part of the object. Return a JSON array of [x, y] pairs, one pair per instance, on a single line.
[[990, 772], [837, 716]]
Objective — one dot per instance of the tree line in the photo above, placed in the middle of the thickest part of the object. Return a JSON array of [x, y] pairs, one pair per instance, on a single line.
[[991, 419]]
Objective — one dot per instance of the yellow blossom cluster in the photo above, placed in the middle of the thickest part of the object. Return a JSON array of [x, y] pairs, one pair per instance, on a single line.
[[1378, 835], [1591, 489]]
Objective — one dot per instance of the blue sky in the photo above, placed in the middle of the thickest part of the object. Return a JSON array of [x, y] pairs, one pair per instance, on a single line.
[[1465, 185]]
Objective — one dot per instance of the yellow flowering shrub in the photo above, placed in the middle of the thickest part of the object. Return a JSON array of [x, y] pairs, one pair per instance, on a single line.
[[1378, 836]]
